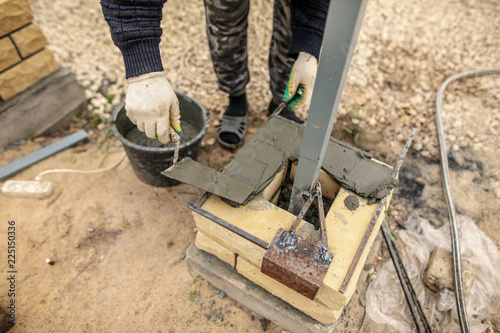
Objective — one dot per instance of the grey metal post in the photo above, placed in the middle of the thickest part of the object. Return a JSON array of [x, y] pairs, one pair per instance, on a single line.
[[339, 41]]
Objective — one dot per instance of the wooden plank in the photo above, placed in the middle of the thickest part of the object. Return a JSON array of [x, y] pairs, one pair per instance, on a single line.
[[40, 108]]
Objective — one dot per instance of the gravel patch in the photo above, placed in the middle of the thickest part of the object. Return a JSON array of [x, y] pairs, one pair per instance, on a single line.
[[404, 52]]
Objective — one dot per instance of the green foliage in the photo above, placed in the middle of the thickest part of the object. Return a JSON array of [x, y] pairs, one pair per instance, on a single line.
[[355, 113], [192, 295]]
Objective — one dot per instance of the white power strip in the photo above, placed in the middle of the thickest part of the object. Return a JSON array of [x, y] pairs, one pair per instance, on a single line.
[[27, 188], [41, 189]]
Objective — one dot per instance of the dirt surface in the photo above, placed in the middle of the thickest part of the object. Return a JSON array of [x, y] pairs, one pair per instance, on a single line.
[[118, 244]]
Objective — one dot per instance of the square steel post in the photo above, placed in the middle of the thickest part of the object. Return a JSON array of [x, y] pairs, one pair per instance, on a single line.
[[339, 41]]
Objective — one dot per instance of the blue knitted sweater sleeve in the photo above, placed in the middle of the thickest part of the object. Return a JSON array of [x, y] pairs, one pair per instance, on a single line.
[[136, 31], [308, 25]]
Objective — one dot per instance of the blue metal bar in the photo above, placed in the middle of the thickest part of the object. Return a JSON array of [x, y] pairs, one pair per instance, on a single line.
[[33, 158]]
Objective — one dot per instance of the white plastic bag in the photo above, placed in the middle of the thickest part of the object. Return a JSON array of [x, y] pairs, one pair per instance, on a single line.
[[385, 301]]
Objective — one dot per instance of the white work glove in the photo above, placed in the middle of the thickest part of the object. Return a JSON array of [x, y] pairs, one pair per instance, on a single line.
[[152, 105], [300, 85]]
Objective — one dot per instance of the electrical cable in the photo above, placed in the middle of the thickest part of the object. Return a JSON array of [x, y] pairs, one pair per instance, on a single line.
[[40, 176], [455, 243]]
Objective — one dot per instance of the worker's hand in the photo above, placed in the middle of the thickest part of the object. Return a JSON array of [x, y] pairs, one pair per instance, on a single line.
[[152, 105], [301, 82]]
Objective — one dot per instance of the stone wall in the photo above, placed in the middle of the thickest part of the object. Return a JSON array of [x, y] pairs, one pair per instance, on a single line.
[[24, 58]]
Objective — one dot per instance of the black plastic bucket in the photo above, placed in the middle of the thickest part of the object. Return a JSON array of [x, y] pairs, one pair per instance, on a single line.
[[149, 162]]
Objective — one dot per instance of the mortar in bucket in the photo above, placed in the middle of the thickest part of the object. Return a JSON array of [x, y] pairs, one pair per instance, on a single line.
[[150, 157]]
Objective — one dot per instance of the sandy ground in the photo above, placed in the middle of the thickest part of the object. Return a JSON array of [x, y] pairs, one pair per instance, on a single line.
[[118, 245]]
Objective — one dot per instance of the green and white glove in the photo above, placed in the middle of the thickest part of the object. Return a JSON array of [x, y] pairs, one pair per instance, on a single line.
[[300, 85], [152, 105]]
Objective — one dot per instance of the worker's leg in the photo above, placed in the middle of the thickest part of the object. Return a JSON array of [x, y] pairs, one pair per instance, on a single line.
[[227, 38], [280, 64]]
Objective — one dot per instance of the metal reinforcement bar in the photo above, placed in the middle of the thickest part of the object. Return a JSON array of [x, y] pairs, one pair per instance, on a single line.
[[228, 225]]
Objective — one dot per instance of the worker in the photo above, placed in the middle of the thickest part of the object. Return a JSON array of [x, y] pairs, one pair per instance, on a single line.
[[151, 102]]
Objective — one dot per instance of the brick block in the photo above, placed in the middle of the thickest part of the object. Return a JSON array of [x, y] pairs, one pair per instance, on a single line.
[[27, 73], [13, 15], [8, 53], [203, 242], [346, 229], [259, 218], [262, 219], [29, 40], [312, 308]]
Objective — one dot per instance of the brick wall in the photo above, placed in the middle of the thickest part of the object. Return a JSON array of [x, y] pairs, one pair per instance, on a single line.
[[24, 60]]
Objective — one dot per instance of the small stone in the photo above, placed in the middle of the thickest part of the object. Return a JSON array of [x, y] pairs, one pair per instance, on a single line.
[[477, 146], [458, 158], [220, 293], [90, 229], [49, 261], [439, 272]]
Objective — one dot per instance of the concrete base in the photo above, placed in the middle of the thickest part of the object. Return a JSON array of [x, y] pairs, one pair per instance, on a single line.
[[226, 278], [41, 108]]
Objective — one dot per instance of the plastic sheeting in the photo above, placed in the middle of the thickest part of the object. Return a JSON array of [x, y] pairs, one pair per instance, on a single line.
[[385, 301]]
